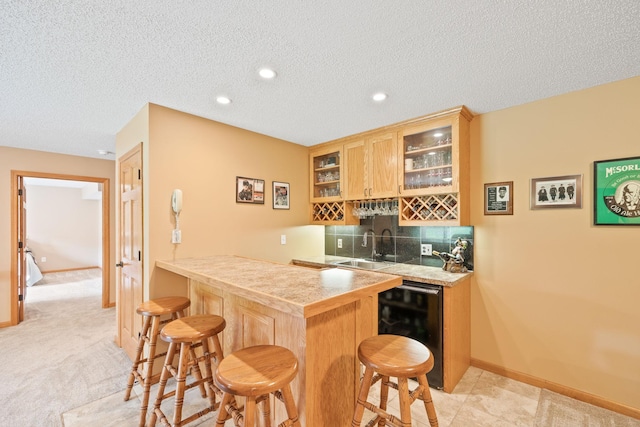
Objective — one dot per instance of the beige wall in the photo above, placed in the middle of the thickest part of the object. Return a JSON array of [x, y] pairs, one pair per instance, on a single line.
[[554, 296], [63, 227], [38, 161], [202, 158]]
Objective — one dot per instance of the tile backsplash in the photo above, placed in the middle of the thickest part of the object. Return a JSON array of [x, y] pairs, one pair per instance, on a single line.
[[395, 243]]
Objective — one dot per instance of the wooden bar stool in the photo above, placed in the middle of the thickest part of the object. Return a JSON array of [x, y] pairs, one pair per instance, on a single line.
[[400, 357], [188, 333], [254, 372], [151, 311]]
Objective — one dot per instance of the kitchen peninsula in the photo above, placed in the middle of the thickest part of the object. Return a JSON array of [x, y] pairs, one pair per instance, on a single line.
[[319, 314]]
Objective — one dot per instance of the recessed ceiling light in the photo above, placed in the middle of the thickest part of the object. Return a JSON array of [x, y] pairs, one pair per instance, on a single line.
[[105, 152], [267, 73], [380, 96], [223, 100]]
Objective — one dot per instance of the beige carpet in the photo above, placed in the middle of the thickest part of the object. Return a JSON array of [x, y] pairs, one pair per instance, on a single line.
[[63, 355], [556, 410]]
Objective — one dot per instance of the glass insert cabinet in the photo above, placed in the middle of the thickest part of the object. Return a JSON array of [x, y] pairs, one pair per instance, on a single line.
[[427, 159], [431, 165]]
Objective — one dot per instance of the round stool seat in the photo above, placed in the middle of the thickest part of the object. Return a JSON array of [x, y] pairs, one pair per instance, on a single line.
[[402, 358], [395, 356], [193, 328], [165, 305], [257, 370]]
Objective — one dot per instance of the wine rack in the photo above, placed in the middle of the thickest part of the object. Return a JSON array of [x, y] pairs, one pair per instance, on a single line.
[[443, 208], [333, 213]]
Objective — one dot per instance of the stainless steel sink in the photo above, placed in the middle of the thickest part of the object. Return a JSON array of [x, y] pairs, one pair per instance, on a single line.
[[362, 263]]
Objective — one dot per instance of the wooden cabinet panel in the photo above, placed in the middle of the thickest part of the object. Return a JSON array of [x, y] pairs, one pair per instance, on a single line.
[[205, 299], [255, 328], [355, 161], [383, 165], [370, 167], [456, 320]]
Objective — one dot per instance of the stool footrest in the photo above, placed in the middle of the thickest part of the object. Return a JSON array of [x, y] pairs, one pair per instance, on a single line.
[[413, 395], [381, 414]]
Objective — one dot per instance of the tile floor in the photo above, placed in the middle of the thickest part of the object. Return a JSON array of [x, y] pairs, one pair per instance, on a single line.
[[480, 399]]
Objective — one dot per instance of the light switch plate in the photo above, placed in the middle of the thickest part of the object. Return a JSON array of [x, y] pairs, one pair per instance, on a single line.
[[425, 249], [283, 239]]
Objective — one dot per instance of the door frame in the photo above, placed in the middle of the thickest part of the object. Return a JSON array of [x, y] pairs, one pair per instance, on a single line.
[[106, 232]]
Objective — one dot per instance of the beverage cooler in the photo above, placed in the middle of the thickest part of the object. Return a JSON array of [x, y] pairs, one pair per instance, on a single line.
[[414, 310]]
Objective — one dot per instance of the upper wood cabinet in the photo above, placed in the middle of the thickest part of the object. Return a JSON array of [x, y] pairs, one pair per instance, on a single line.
[[433, 169], [325, 165], [370, 167], [424, 162], [430, 157]]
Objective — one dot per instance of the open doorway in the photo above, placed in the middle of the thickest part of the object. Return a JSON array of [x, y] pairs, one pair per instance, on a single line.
[[20, 181]]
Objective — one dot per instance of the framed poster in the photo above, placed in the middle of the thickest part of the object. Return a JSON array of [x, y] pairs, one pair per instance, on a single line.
[[616, 191], [280, 195], [556, 192], [249, 190], [498, 198]]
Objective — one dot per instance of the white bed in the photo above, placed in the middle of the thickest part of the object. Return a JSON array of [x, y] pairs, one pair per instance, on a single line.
[[33, 272]]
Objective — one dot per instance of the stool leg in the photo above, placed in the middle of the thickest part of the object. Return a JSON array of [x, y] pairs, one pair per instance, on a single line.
[[185, 350], [250, 412], [290, 406], [365, 385], [208, 375], [384, 397], [197, 374], [223, 414], [428, 402], [164, 376], [264, 408], [136, 361], [153, 338], [405, 402]]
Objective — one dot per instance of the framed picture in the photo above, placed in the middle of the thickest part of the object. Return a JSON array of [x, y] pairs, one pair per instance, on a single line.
[[498, 198], [616, 191], [249, 190], [281, 195], [556, 192]]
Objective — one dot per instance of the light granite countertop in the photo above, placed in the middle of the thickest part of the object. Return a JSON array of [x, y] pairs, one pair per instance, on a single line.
[[416, 273], [301, 291]]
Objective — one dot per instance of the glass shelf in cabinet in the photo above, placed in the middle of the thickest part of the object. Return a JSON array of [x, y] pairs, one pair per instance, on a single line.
[[327, 182], [325, 168], [428, 169], [428, 149]]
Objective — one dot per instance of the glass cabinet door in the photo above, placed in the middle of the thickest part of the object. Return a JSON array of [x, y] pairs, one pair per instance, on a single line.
[[325, 176], [427, 160]]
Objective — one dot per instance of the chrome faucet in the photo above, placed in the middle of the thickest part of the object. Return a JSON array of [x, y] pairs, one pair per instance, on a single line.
[[373, 243]]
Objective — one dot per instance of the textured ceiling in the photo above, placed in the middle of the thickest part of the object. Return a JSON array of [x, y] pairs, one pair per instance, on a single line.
[[73, 73]]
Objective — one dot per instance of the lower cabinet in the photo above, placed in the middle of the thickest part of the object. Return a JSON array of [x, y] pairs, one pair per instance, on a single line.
[[325, 345], [456, 324]]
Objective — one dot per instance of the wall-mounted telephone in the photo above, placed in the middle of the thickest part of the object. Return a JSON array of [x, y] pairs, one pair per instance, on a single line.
[[176, 201], [176, 205]]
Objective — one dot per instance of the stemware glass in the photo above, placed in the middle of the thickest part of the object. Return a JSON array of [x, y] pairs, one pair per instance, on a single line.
[[395, 210]]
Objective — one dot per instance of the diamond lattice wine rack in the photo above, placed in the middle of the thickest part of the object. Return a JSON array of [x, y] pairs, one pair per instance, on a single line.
[[336, 213], [442, 208]]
